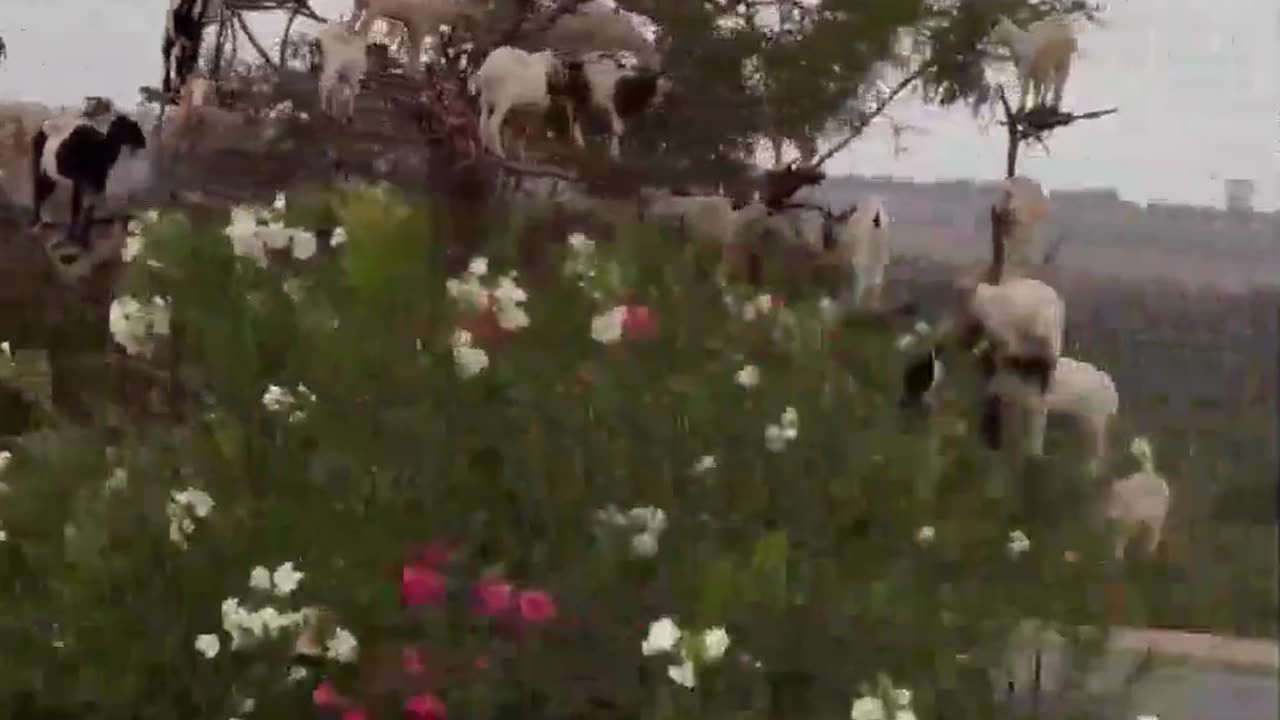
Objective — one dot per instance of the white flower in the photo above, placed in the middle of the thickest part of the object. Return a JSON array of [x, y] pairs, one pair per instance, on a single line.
[[653, 519], [6, 457], [4, 535], [644, 544], [704, 464], [1018, 543], [748, 376], [338, 237], [663, 636], [247, 705], [286, 579], [925, 535], [511, 316], [607, 326], [468, 293], [342, 646], [775, 438], [715, 642], [581, 243], [208, 645], [260, 579], [117, 481], [135, 325], [297, 673], [683, 673], [279, 203], [867, 708], [479, 266], [470, 360], [902, 697], [791, 421], [6, 349], [133, 245], [303, 243], [904, 341], [198, 500]]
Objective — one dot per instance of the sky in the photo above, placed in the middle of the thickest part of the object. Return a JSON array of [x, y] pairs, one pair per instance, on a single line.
[[1194, 80]]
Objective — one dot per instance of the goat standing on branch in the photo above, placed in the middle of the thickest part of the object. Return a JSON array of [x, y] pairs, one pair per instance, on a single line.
[[343, 63], [183, 30], [512, 78], [605, 81], [1042, 55]]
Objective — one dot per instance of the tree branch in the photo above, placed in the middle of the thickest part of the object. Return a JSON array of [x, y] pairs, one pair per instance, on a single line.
[[870, 116], [1033, 124], [262, 52]]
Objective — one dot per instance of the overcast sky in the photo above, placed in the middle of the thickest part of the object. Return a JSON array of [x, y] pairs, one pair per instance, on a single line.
[[1195, 81]]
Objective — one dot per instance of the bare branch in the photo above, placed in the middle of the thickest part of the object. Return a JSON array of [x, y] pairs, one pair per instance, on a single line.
[[868, 117], [262, 52]]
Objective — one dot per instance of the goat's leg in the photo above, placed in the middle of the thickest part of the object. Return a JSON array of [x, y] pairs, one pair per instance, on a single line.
[[77, 208], [1096, 430], [494, 130], [1025, 91], [616, 129], [575, 127], [42, 186], [1037, 418], [416, 66]]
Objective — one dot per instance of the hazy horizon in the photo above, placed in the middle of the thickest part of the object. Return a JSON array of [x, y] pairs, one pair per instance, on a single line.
[[1210, 68]]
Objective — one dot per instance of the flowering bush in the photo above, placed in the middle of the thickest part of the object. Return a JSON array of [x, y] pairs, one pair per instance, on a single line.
[[425, 478]]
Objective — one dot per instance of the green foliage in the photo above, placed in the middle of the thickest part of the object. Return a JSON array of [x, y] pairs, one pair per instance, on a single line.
[[818, 68], [809, 555]]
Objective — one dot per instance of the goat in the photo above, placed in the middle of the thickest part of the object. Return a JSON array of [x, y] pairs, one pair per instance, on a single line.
[[709, 217], [513, 78], [1023, 202], [419, 17], [1139, 501], [1089, 396], [343, 63], [83, 157], [603, 80], [183, 30], [1042, 55], [863, 241], [1021, 320]]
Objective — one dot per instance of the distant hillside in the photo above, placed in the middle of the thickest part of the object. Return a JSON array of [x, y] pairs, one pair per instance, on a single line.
[[1102, 234]]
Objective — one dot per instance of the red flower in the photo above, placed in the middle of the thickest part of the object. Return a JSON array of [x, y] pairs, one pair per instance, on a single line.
[[639, 322], [483, 326], [536, 606], [355, 713], [493, 596], [324, 696], [421, 585], [481, 662], [425, 707]]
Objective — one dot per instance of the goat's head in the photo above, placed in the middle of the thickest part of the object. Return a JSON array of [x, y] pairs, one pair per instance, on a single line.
[[126, 133]]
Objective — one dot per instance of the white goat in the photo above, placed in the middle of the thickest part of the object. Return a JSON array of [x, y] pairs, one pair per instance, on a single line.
[[709, 217], [343, 64], [1139, 501], [512, 78], [1025, 205], [1042, 55], [1088, 395], [419, 17], [1023, 320], [603, 80], [863, 241]]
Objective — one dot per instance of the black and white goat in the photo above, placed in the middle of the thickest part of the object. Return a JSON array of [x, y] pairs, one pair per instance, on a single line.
[[183, 30], [607, 81], [75, 153]]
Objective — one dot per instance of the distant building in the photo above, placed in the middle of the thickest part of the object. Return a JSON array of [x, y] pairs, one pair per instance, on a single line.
[[1239, 195]]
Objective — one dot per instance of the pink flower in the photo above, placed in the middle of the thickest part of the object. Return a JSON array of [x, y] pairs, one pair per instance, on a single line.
[[425, 707], [355, 713], [412, 662], [420, 585], [493, 596], [325, 696], [639, 322], [536, 606], [481, 662]]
